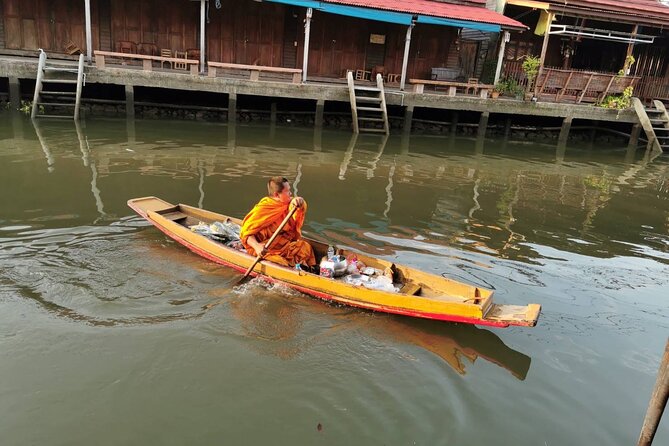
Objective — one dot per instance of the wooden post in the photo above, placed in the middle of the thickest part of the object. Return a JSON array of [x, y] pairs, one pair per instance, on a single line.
[[505, 36], [305, 56], [544, 47], [89, 32], [405, 60], [658, 401], [202, 34], [630, 46]]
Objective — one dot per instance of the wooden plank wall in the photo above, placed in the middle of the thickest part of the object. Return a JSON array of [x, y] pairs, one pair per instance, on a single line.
[[171, 24], [339, 43], [46, 24], [246, 32], [242, 31]]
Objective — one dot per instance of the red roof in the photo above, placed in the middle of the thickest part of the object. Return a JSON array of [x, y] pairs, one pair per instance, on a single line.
[[437, 9], [651, 10]]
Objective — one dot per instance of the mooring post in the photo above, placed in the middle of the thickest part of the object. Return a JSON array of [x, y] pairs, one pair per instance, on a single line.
[[15, 93], [130, 101], [408, 119], [320, 108], [232, 107], [658, 401]]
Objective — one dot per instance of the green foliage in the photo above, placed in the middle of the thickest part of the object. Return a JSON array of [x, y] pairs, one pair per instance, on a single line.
[[27, 107], [629, 61], [531, 66], [619, 102], [509, 87]]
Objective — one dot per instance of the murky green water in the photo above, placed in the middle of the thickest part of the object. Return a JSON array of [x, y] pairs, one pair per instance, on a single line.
[[104, 340]]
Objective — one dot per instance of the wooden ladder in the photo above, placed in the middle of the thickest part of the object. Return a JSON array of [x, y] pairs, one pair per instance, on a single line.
[[63, 95], [368, 105], [655, 123]]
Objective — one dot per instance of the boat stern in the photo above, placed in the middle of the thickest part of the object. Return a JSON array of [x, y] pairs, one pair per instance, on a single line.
[[505, 315]]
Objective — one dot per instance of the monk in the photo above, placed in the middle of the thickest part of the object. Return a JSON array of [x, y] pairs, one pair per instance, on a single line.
[[288, 249]]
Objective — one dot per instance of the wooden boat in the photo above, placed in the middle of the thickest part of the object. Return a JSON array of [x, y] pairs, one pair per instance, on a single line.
[[421, 294]]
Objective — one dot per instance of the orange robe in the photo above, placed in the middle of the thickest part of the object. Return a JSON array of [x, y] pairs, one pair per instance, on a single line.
[[288, 248]]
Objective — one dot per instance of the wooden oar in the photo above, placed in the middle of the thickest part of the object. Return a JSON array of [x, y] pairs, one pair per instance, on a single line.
[[269, 243]]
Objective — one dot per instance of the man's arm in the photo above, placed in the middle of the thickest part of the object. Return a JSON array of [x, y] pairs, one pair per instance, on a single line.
[[258, 247]]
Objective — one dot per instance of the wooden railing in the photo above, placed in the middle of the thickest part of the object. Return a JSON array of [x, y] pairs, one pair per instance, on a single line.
[[102, 58], [580, 86], [254, 70], [646, 88]]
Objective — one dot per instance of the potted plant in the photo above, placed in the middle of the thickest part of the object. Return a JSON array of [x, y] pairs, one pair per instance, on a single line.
[[499, 88], [531, 66]]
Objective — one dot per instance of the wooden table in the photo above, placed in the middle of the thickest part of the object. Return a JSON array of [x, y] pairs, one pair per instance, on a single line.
[[481, 89]]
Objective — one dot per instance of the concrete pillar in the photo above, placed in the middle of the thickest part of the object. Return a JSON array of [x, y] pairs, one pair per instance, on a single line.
[[480, 135], [130, 101], [232, 107], [14, 93], [405, 60], [203, 34], [318, 138], [507, 127], [320, 108], [634, 137], [408, 119], [454, 123], [89, 32], [272, 121], [272, 113], [564, 131], [305, 56], [483, 122]]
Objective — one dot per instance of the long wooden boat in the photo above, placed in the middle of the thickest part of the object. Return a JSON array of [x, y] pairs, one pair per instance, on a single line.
[[421, 294]]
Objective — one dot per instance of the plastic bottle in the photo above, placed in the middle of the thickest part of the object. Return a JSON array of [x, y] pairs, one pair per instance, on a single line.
[[331, 252]]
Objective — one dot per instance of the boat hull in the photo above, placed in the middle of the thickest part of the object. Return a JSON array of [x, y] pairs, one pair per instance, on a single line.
[[477, 309]]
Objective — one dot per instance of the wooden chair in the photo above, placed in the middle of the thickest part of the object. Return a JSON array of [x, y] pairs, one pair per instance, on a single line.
[[193, 53], [394, 78], [126, 46], [165, 53], [180, 65], [363, 75], [73, 48], [149, 49], [379, 69], [473, 81]]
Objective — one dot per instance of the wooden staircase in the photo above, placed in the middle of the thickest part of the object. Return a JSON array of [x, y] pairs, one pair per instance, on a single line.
[[655, 123], [368, 106], [58, 88]]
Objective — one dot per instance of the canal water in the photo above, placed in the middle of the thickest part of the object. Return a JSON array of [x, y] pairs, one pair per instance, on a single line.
[[105, 335]]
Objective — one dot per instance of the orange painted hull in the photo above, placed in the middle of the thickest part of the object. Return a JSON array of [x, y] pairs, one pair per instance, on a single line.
[[422, 295]]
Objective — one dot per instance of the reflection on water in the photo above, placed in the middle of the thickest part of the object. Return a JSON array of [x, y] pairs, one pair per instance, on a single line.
[[582, 230]]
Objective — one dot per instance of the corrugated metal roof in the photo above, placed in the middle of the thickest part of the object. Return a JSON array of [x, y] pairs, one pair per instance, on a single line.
[[436, 9], [650, 9]]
